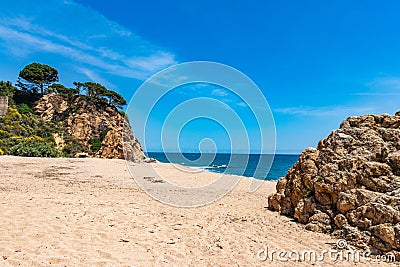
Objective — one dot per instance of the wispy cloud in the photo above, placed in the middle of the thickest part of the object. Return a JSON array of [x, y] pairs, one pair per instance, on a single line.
[[103, 44], [324, 111], [381, 86], [152, 63], [220, 92], [377, 94], [203, 89], [95, 77], [385, 83]]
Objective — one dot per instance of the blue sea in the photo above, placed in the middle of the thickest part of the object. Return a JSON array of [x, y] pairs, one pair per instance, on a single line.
[[253, 165]]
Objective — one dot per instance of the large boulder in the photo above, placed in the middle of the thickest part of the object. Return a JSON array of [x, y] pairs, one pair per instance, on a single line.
[[349, 185]]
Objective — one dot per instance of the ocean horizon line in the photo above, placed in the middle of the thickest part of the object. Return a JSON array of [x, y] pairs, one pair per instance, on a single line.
[[224, 153]]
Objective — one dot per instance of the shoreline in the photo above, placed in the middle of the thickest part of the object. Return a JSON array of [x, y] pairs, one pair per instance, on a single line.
[[231, 164]]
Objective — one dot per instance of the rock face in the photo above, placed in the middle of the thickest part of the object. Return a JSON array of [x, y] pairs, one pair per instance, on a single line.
[[86, 121], [3, 105], [350, 185]]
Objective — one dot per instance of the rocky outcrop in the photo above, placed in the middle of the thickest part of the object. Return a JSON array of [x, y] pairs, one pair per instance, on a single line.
[[350, 185], [86, 120], [52, 107]]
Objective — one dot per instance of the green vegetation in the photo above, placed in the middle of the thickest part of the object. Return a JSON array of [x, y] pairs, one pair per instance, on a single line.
[[23, 133], [31, 136], [24, 109], [4, 134], [95, 144], [104, 133], [62, 90], [23, 97], [100, 94], [71, 146], [36, 76], [34, 146], [7, 89]]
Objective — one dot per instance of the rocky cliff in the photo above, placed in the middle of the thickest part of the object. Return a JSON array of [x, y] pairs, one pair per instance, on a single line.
[[350, 185], [89, 122]]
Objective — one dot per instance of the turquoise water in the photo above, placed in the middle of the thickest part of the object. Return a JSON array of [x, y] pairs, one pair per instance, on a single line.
[[253, 165]]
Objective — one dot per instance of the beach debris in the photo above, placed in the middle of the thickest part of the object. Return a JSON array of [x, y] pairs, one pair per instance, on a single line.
[[350, 185]]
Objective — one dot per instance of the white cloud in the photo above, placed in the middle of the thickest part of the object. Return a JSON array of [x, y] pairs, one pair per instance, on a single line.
[[324, 111], [104, 44], [241, 104], [94, 77], [158, 61], [385, 83], [219, 92], [377, 94], [381, 86]]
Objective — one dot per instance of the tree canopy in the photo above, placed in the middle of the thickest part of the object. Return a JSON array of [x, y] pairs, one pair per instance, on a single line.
[[40, 78], [6, 89], [115, 99], [100, 93], [36, 76], [62, 90]]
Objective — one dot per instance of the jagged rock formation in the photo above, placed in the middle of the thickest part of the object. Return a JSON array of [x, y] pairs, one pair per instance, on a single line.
[[350, 185], [85, 120]]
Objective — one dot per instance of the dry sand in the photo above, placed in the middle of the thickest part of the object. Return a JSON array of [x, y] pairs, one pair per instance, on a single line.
[[90, 212]]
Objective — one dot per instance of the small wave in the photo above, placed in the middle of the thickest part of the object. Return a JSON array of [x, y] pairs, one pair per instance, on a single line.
[[198, 167]]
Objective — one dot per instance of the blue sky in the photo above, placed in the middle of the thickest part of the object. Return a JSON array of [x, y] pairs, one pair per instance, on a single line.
[[316, 62]]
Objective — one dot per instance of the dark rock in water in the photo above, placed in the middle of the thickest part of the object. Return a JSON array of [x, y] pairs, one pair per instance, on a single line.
[[350, 185], [150, 160]]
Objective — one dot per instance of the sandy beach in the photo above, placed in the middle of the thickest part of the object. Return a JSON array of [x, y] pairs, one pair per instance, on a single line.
[[90, 212]]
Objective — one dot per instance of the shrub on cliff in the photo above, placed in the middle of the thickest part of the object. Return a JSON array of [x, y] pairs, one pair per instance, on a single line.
[[30, 135], [24, 109], [95, 144], [34, 146]]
